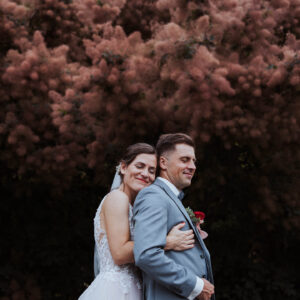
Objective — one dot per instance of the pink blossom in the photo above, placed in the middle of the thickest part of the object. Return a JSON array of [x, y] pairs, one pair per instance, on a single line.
[[276, 77], [34, 76], [257, 92]]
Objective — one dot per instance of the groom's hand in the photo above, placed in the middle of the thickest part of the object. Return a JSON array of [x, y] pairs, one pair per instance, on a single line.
[[207, 292]]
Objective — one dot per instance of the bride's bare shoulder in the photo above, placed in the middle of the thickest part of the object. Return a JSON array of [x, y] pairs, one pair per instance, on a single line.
[[116, 198]]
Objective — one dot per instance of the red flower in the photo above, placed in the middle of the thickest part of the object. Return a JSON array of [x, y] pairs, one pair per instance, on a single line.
[[199, 215]]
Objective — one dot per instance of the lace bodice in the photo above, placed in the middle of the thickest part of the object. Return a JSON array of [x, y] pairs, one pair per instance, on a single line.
[[124, 274]]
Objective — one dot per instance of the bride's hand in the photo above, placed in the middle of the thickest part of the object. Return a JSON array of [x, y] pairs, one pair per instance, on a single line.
[[180, 240]]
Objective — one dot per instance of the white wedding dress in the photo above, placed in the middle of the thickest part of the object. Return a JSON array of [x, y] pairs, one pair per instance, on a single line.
[[113, 282]]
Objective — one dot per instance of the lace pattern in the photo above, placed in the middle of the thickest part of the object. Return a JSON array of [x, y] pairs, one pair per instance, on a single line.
[[124, 274]]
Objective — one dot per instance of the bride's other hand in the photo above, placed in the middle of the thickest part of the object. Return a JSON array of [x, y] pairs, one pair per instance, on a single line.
[[203, 233], [179, 240]]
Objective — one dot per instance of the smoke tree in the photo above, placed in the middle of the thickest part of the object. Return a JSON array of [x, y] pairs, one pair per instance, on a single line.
[[82, 79]]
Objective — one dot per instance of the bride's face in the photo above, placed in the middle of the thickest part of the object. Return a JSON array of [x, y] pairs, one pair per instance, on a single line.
[[140, 172]]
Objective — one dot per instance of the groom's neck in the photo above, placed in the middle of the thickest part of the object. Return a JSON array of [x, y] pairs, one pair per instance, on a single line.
[[165, 176]]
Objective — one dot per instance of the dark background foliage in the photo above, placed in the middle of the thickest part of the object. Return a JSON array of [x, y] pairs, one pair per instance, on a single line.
[[81, 80]]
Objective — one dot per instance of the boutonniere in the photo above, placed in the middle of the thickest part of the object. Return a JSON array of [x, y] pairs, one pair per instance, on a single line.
[[191, 215], [197, 217], [200, 216]]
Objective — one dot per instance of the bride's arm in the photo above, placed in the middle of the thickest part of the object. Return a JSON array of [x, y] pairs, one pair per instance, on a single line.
[[115, 210]]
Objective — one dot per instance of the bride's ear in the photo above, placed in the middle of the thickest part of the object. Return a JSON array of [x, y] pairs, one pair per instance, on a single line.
[[122, 168]]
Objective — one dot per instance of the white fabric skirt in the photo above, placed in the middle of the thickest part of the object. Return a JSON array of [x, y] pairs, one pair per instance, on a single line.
[[106, 289]]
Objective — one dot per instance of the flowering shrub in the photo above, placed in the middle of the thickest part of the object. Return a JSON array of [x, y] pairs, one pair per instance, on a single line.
[[82, 79], [74, 83]]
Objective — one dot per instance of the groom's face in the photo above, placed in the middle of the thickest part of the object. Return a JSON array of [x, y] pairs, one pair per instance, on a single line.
[[180, 165]]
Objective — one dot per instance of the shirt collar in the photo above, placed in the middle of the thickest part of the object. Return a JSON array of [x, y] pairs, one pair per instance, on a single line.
[[171, 186]]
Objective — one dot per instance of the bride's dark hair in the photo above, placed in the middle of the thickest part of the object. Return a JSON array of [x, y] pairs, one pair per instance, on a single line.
[[134, 150]]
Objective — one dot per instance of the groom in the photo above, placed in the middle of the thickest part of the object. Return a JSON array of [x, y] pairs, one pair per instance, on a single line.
[[170, 275]]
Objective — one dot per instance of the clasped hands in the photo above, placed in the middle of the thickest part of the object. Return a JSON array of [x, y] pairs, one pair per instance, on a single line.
[[182, 240], [207, 292]]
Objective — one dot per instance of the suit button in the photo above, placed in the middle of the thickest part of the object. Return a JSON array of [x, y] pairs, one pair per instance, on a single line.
[[202, 256], [204, 276]]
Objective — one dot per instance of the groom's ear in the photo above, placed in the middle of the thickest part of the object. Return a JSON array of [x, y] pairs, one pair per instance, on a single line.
[[163, 163]]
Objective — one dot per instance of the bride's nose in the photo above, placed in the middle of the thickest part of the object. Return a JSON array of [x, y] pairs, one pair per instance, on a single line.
[[145, 173]]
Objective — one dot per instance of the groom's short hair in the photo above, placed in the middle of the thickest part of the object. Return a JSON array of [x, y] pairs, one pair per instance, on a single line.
[[167, 142]]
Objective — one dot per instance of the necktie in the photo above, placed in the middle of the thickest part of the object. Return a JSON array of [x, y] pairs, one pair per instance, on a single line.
[[181, 195]]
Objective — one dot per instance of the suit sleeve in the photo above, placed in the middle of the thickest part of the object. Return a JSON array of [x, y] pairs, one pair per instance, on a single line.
[[150, 232]]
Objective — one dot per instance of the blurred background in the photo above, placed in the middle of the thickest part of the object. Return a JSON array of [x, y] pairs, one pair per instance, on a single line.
[[81, 80]]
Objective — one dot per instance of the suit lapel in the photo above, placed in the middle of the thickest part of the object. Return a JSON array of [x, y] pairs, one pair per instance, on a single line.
[[164, 187], [182, 209], [174, 198]]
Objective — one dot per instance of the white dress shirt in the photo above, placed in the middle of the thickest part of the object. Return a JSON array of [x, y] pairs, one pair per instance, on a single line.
[[199, 283]]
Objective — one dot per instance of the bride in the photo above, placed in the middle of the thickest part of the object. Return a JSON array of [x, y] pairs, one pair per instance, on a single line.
[[118, 278]]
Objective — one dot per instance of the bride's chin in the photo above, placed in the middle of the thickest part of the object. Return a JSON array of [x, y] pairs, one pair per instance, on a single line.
[[135, 189], [138, 186], [138, 189]]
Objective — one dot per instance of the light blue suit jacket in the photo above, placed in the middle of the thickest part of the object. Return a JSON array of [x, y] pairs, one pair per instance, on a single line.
[[169, 275]]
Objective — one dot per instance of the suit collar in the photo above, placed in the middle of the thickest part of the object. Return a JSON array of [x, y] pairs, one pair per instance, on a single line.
[[170, 185], [162, 184], [165, 187]]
